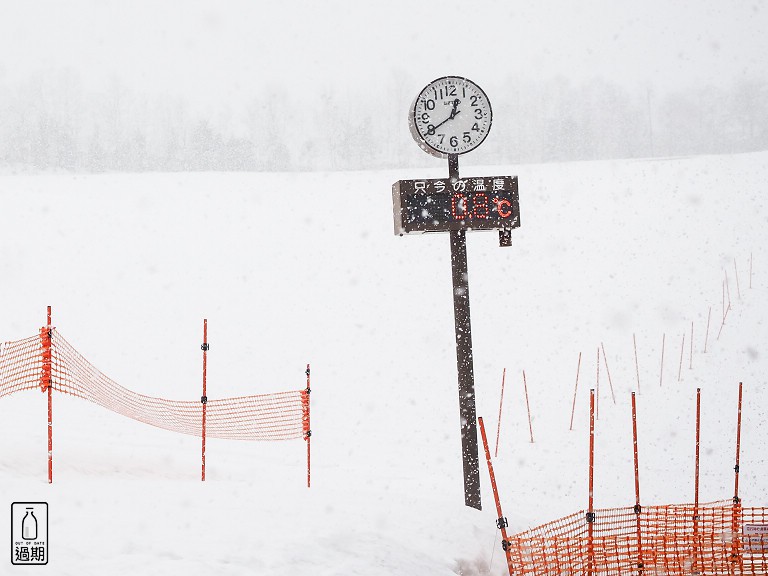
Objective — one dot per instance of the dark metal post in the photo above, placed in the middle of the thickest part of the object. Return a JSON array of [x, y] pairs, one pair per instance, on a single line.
[[469, 448]]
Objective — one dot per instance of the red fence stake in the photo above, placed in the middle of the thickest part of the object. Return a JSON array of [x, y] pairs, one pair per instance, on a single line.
[[738, 450], [573, 408], [638, 509], [307, 430], [46, 384], [502, 521], [696, 483], [498, 424], [591, 511], [736, 499], [204, 397]]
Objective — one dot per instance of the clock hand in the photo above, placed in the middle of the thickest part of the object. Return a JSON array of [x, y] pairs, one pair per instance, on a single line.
[[453, 114]]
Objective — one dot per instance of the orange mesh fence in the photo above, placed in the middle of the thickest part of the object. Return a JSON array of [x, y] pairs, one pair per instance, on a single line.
[[715, 538], [20, 365], [277, 416]]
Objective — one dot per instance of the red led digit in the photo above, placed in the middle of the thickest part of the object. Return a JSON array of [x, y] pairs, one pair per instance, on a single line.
[[481, 205], [459, 206]]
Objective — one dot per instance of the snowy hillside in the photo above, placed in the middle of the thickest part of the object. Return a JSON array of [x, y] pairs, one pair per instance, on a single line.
[[291, 269]]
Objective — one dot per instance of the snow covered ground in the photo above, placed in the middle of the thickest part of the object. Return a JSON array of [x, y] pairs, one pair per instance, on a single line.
[[291, 269]]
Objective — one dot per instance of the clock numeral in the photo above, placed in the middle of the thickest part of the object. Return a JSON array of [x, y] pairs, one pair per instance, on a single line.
[[478, 114], [475, 127], [442, 137], [450, 91], [467, 137], [429, 104], [474, 99], [431, 130], [425, 118], [454, 141]]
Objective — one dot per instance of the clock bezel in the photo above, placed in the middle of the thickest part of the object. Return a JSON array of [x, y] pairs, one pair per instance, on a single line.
[[422, 141]]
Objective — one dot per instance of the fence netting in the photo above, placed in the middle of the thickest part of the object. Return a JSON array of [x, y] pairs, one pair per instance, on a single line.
[[712, 538], [276, 416]]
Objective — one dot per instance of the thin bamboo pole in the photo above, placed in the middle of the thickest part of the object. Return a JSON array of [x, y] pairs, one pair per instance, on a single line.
[[680, 368], [736, 272], [637, 366], [690, 366], [661, 370], [638, 508], [573, 407], [725, 314], [501, 522], [528, 406], [498, 423], [723, 322], [204, 397], [597, 402], [706, 337], [607, 371]]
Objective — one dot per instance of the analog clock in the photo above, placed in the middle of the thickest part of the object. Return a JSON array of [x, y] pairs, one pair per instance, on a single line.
[[451, 115]]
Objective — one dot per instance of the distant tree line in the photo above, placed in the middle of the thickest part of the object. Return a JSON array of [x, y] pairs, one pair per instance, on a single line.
[[52, 121]]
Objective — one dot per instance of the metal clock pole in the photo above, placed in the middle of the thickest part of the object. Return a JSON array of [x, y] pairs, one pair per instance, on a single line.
[[464, 363], [462, 112]]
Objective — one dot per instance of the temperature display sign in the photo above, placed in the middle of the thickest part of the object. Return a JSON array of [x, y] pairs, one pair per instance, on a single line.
[[487, 203]]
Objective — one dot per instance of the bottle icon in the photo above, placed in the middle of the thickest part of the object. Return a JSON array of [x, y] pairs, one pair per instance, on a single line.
[[29, 525]]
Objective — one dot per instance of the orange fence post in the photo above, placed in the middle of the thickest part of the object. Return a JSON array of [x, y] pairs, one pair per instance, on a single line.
[[638, 508], [591, 511], [501, 523], [696, 484], [573, 408], [305, 419], [204, 398], [46, 384], [501, 403], [736, 499]]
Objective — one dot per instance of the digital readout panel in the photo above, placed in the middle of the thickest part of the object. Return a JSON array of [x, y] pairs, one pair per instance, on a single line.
[[485, 203]]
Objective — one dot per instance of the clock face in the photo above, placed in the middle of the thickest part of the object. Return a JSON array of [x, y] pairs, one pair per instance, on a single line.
[[451, 115]]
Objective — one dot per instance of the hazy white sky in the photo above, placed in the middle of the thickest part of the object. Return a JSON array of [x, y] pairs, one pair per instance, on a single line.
[[225, 50]]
